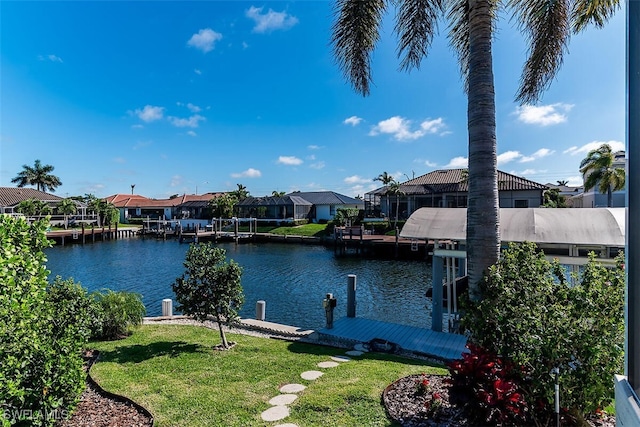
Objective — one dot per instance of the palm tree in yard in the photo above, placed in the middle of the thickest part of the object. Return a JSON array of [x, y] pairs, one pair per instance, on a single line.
[[38, 175], [66, 207], [385, 179], [394, 190], [547, 24], [598, 170]]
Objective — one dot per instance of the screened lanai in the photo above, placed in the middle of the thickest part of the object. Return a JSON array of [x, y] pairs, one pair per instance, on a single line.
[[564, 234]]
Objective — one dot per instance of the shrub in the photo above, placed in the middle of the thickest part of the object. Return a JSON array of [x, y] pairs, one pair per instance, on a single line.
[[118, 312], [210, 286], [41, 333], [532, 317], [490, 385]]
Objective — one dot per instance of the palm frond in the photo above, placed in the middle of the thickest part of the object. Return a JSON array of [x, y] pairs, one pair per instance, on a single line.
[[458, 17], [546, 26], [416, 24], [596, 12], [355, 32]]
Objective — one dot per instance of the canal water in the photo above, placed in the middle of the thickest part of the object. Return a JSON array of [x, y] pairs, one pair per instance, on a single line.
[[292, 279]]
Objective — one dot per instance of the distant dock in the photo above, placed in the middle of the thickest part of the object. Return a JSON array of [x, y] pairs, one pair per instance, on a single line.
[[90, 234]]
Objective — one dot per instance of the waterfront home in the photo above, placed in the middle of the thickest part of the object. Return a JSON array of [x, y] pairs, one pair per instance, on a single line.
[[313, 205], [448, 188], [10, 198], [180, 207]]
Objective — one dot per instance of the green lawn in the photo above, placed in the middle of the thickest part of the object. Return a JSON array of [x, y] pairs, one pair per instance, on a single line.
[[174, 372], [309, 230]]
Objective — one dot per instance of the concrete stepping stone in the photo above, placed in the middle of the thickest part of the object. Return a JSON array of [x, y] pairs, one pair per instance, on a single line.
[[328, 364], [275, 413], [311, 375], [340, 358], [287, 425], [283, 399], [292, 388], [354, 353], [360, 347]]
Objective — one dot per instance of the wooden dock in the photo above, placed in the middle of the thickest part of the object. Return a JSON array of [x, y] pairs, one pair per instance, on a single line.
[[439, 345], [90, 234]]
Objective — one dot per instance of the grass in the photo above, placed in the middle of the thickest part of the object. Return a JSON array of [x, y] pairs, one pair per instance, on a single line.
[[309, 230], [173, 371]]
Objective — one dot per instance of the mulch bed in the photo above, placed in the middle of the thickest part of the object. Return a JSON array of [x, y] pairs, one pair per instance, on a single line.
[[405, 405], [98, 408]]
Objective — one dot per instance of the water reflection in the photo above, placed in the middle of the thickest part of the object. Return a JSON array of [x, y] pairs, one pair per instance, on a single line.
[[292, 279]]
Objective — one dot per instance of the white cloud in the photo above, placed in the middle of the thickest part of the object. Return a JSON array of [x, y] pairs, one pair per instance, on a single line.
[[52, 58], [593, 145], [149, 113], [313, 147], [197, 71], [191, 133], [575, 181], [543, 152], [508, 156], [289, 160], [245, 45], [193, 108], [271, 20], [430, 164], [249, 173], [356, 179], [318, 165], [432, 126], [191, 122], [204, 40], [458, 162], [138, 126], [400, 128], [543, 115], [353, 121], [176, 181]]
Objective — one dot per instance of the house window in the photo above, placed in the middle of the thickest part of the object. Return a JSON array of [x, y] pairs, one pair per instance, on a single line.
[[521, 204], [332, 210]]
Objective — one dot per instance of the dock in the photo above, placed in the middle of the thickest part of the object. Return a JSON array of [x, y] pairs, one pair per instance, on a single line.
[[90, 234], [421, 341]]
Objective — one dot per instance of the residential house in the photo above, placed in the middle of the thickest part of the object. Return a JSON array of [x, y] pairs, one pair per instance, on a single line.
[[314, 206], [572, 195], [10, 198], [181, 207], [449, 188]]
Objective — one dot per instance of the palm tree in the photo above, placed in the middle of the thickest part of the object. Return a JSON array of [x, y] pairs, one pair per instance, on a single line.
[[562, 182], [276, 193], [598, 170], [66, 207], [38, 175], [241, 193], [394, 189], [385, 179], [548, 26]]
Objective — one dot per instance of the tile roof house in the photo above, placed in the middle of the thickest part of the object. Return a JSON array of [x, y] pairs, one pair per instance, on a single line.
[[185, 206], [10, 197], [448, 188], [314, 205]]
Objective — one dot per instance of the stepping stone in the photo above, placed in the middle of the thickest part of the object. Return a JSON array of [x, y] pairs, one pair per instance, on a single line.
[[354, 353], [287, 425], [360, 347], [275, 413], [311, 375], [283, 399], [292, 388], [340, 358], [328, 364]]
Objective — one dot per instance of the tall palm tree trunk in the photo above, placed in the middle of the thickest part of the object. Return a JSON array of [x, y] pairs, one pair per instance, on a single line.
[[483, 239]]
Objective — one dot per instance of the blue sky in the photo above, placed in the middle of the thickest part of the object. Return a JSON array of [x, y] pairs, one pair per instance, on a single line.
[[179, 97]]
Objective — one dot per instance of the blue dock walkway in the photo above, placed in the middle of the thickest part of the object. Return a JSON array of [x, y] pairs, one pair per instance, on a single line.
[[422, 341]]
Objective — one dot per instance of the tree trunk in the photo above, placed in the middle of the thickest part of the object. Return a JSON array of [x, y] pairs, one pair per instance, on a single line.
[[609, 197], [483, 237], [223, 337]]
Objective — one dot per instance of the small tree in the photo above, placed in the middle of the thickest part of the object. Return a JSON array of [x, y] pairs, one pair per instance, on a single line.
[[210, 286]]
